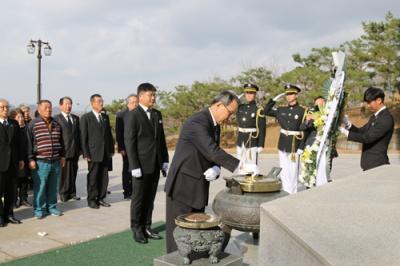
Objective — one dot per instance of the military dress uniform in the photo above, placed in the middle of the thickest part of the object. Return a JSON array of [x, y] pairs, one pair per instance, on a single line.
[[251, 128], [291, 137]]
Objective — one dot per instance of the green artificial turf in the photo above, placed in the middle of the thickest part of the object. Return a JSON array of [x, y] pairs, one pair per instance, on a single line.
[[116, 249]]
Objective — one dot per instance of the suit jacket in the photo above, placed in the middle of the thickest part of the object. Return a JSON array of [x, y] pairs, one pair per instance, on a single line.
[[11, 150], [119, 129], [196, 151], [71, 136], [375, 137], [96, 138], [145, 140]]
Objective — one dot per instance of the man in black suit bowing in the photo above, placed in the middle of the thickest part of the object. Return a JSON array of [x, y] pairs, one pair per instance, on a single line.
[[147, 154], [131, 103], [375, 135], [11, 159], [198, 160], [72, 145], [97, 148]]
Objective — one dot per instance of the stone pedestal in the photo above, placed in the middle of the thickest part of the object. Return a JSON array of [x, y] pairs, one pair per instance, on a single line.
[[198, 259], [351, 221], [208, 241]]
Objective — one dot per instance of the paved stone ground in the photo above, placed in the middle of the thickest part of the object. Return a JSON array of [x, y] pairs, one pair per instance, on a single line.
[[80, 223]]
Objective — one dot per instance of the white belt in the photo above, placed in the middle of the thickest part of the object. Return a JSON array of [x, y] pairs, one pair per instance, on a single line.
[[247, 130], [290, 132]]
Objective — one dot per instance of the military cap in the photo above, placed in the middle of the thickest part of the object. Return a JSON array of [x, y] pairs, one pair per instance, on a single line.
[[291, 88], [250, 87]]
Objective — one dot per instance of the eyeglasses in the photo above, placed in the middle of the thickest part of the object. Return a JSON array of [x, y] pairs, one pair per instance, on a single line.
[[4, 107], [229, 111]]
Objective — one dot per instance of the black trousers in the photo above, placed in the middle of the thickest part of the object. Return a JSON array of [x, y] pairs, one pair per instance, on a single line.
[[174, 209], [126, 177], [68, 178], [97, 181], [22, 189], [8, 189], [142, 203]]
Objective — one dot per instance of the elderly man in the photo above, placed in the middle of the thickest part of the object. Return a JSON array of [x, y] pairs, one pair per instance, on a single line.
[[11, 159], [198, 160], [131, 103], [71, 134], [98, 149], [46, 158]]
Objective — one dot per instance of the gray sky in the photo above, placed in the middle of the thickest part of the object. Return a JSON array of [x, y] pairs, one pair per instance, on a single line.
[[109, 47]]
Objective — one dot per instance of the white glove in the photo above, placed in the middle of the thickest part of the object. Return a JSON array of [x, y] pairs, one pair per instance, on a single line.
[[299, 151], [346, 121], [165, 167], [278, 97], [344, 131], [260, 149], [137, 172], [249, 168], [212, 173]]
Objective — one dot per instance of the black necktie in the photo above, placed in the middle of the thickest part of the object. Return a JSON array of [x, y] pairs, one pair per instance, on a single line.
[[69, 121], [371, 121], [5, 123], [216, 136], [5, 126], [149, 113], [101, 121]]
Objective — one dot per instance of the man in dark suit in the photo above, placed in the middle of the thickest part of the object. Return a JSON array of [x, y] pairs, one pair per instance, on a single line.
[[147, 154], [197, 161], [375, 135], [131, 103], [72, 145], [97, 148], [11, 159]]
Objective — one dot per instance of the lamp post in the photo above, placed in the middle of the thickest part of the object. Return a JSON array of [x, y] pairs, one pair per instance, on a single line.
[[47, 51]]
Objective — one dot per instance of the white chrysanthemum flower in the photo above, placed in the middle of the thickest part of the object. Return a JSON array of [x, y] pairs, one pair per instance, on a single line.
[[314, 147]]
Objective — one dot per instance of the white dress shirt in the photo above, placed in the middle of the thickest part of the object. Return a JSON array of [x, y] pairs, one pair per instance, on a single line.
[[70, 117]]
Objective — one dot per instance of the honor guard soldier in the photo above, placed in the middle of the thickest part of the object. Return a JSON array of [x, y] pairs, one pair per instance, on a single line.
[[289, 118], [251, 126]]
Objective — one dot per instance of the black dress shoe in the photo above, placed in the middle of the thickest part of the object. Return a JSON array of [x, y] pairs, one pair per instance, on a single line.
[[26, 203], [104, 204], [64, 198], [151, 234], [139, 237], [93, 205], [11, 219], [76, 198]]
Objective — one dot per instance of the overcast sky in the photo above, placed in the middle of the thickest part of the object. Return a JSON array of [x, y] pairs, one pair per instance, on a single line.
[[109, 47]]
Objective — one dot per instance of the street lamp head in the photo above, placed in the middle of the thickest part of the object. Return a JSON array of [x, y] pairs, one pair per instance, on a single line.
[[47, 50], [30, 48]]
